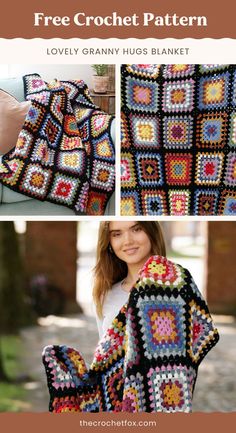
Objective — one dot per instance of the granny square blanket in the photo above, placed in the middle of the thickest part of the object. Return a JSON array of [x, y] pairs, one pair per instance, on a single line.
[[178, 140], [148, 359], [64, 153]]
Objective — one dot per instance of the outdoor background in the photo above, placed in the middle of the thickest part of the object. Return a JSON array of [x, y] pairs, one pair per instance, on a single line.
[[45, 298]]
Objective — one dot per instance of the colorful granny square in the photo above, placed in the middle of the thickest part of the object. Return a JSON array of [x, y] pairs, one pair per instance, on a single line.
[[209, 168], [213, 91], [177, 132], [153, 202], [172, 389], [228, 203], [16, 166], [24, 143], [99, 123], [178, 168], [149, 167], [178, 96], [64, 189], [162, 326], [201, 330], [70, 125], [113, 383], [211, 130], [36, 180], [103, 175], [133, 396], [232, 137], [127, 175], [230, 175], [70, 143], [34, 117], [42, 153], [129, 204], [142, 95], [51, 131], [96, 203], [72, 162], [145, 71], [179, 202], [205, 202], [103, 148], [163, 272], [145, 131], [178, 71], [34, 84]]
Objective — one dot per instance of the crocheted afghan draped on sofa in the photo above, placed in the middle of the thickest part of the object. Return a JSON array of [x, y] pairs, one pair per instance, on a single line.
[[178, 140], [148, 359], [64, 153]]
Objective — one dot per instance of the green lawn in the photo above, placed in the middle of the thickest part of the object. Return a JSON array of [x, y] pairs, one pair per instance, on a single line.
[[12, 395]]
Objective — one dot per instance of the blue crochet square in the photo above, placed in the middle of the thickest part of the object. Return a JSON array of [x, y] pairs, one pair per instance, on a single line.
[[162, 326], [142, 95]]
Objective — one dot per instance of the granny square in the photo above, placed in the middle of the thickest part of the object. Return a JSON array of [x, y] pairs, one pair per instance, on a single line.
[[177, 132], [153, 202], [179, 202], [178, 96], [142, 95], [178, 168], [178, 71], [211, 130], [127, 175], [213, 91], [145, 131], [205, 201], [36, 180], [149, 166], [129, 203], [209, 168]]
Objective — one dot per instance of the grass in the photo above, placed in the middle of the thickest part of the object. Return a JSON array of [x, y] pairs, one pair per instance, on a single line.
[[12, 395]]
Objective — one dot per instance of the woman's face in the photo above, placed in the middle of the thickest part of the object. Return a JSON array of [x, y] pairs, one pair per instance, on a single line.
[[129, 242]]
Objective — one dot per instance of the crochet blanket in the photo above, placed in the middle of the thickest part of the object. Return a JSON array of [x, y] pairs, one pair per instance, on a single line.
[[64, 153], [178, 140], [148, 359]]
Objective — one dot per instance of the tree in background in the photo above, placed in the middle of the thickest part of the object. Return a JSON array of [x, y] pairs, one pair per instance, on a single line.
[[13, 308]]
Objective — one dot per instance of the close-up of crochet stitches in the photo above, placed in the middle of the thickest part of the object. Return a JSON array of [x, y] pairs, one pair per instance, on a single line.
[[178, 138], [64, 153]]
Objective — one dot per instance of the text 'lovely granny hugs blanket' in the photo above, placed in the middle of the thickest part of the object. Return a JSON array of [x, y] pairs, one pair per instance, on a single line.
[[64, 153], [148, 359], [178, 140]]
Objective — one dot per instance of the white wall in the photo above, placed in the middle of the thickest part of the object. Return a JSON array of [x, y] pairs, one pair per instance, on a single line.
[[49, 72]]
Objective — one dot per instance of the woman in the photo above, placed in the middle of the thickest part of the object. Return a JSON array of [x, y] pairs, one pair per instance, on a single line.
[[123, 248], [155, 328]]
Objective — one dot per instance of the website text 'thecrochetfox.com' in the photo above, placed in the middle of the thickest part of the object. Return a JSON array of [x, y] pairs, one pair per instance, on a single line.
[[117, 423]]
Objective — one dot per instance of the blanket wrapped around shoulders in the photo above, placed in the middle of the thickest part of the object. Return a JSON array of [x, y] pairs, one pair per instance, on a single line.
[[148, 359], [64, 153]]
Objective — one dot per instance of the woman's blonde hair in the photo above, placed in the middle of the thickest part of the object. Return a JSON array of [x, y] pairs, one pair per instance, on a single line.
[[109, 268]]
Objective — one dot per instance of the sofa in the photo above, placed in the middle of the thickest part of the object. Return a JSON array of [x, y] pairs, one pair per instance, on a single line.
[[13, 203]]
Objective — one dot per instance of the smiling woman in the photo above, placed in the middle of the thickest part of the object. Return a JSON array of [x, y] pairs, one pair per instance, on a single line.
[[123, 248]]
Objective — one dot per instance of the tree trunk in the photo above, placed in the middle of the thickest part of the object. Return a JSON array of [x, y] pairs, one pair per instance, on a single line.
[[3, 375]]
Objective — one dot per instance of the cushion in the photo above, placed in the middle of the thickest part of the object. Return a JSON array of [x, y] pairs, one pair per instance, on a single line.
[[12, 116]]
